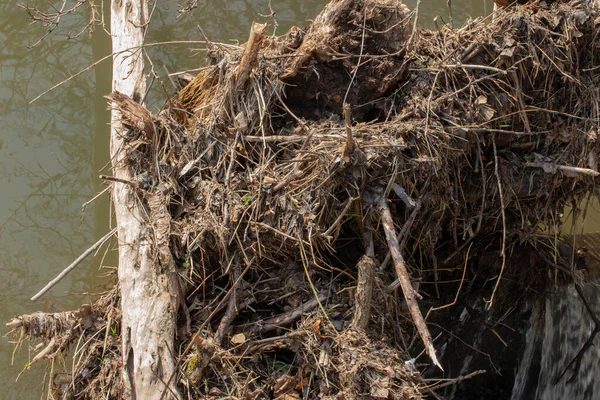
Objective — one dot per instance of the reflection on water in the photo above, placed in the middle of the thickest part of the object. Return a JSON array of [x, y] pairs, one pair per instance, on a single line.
[[455, 11], [44, 177], [53, 149], [560, 327]]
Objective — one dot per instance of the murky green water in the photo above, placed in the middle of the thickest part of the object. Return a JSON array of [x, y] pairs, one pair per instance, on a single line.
[[51, 151]]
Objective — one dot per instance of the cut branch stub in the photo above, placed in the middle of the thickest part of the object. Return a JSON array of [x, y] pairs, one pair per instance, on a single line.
[[249, 59], [364, 293]]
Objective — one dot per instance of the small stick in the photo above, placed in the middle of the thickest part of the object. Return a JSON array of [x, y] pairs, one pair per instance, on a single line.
[[401, 238], [502, 206], [74, 264], [133, 184], [87, 203], [338, 220], [232, 309], [458, 380], [415, 22], [407, 289], [250, 56], [567, 169], [288, 317]]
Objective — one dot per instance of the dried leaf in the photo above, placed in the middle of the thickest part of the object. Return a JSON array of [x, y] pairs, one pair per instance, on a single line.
[[592, 135], [284, 384], [238, 339], [481, 100], [508, 53], [380, 388], [267, 180]]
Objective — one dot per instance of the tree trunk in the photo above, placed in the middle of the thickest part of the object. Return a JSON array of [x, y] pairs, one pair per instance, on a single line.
[[149, 298]]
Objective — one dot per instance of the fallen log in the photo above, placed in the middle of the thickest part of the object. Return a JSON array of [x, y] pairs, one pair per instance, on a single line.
[[147, 281]]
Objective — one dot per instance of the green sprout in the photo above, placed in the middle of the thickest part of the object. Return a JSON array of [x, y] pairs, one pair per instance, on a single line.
[[247, 199]]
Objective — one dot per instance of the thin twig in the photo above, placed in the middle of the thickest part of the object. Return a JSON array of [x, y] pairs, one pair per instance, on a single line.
[[567, 169], [503, 253], [402, 235], [130, 50], [74, 264], [462, 280], [458, 380], [362, 47]]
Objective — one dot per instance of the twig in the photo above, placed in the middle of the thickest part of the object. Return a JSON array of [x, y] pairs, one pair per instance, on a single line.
[[285, 138], [475, 66], [401, 239], [503, 253], [232, 308], [45, 352], [288, 317], [338, 220], [349, 145], [552, 168], [458, 380], [407, 289], [130, 50], [119, 180], [415, 22], [87, 203], [362, 47], [250, 56], [462, 280], [449, 5], [74, 264]]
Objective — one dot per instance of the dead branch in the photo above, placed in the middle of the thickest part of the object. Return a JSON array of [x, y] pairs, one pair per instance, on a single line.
[[403, 276], [74, 264], [288, 317]]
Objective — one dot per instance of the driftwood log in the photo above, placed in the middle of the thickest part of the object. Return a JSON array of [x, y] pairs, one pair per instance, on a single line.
[[148, 288]]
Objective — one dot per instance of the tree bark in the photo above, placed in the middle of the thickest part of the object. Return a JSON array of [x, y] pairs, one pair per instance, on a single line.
[[149, 298]]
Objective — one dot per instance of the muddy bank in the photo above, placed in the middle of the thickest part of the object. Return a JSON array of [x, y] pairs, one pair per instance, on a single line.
[[296, 178]]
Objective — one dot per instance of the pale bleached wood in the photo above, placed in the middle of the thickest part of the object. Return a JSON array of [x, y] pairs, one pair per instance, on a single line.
[[403, 276], [149, 298]]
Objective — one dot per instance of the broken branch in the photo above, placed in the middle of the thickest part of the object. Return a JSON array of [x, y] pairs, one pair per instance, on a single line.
[[403, 276]]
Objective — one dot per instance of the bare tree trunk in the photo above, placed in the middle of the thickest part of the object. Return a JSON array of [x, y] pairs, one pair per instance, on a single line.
[[149, 298]]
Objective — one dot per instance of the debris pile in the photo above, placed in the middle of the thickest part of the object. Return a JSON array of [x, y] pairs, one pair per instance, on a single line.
[[305, 174]]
